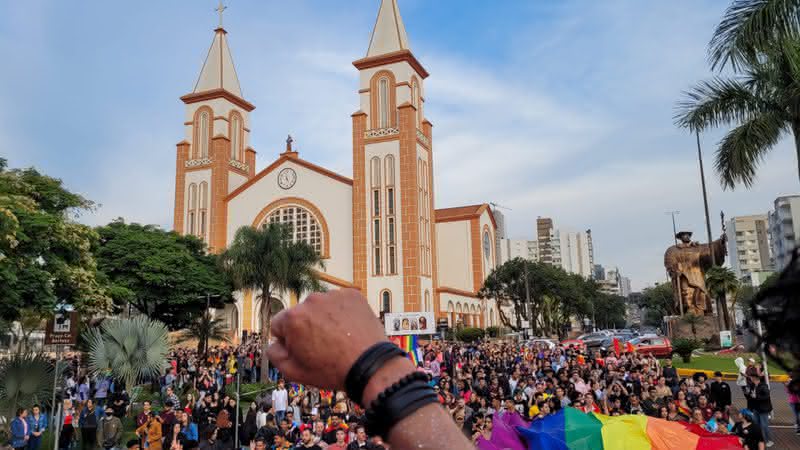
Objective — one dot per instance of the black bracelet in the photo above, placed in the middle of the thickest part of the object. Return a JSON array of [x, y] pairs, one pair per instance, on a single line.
[[399, 401], [365, 367]]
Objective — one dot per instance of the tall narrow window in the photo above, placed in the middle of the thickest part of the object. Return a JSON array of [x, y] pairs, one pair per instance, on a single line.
[[376, 225], [192, 214], [389, 170], [375, 171], [236, 130], [203, 209], [204, 138], [390, 230], [392, 261], [415, 99], [427, 301], [390, 201], [386, 302], [383, 103], [377, 261], [376, 202]]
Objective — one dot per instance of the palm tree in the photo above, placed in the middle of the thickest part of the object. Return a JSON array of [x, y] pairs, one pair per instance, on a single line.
[[302, 275], [751, 25], [722, 282], [693, 320], [204, 328], [132, 349], [26, 379], [763, 103], [265, 261]]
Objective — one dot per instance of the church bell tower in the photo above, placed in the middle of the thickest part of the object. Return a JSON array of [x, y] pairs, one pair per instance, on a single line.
[[214, 158], [393, 214]]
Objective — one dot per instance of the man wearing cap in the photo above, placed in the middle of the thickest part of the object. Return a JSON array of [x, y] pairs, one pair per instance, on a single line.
[[109, 431]]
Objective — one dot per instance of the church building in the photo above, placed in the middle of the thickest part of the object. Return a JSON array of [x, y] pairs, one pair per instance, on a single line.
[[379, 231]]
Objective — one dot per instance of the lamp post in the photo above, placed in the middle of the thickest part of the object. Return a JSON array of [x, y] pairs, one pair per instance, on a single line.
[[674, 225]]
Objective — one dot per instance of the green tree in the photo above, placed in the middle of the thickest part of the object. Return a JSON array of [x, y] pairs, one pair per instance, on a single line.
[[657, 302], [721, 282], [610, 310], [132, 350], [550, 300], [204, 328], [45, 256], [265, 261], [162, 274], [751, 25]]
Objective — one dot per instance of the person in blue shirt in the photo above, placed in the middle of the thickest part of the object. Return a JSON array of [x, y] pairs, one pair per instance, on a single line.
[[188, 428], [20, 431], [37, 424]]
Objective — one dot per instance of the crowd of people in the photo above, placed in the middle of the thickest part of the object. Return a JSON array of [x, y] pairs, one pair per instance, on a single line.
[[193, 406]]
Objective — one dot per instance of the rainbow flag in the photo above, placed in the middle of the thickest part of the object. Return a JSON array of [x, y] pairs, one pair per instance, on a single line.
[[410, 345], [571, 429]]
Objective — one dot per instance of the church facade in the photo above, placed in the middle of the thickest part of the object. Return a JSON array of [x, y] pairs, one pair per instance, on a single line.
[[377, 231]]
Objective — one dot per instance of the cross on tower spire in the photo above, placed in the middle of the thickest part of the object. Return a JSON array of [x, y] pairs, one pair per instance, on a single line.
[[220, 9]]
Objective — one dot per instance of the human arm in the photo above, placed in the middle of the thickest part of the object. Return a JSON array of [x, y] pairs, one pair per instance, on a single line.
[[319, 340]]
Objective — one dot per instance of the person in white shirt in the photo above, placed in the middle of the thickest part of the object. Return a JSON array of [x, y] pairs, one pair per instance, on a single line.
[[280, 401]]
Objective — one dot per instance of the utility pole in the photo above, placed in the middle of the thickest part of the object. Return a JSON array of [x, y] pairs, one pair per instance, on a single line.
[[674, 225], [708, 219], [527, 296]]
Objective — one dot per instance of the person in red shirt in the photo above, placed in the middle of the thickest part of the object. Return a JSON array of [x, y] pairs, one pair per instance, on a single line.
[[340, 444]]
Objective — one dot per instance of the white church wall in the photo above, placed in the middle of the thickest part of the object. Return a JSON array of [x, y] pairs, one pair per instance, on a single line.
[[454, 255], [332, 197], [235, 180]]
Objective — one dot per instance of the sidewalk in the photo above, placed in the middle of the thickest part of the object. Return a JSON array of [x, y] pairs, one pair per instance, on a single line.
[[782, 423]]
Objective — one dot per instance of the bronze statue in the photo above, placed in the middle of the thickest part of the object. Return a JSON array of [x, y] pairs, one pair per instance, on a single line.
[[686, 263]]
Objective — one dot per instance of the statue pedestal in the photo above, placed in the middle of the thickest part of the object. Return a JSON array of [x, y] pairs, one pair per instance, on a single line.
[[707, 330]]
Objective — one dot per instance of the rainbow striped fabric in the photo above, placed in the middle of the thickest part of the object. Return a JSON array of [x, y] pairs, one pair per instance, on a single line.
[[410, 345], [571, 429]]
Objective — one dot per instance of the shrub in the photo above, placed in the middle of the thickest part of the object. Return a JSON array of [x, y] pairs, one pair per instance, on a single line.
[[247, 391], [685, 347], [493, 331], [469, 334]]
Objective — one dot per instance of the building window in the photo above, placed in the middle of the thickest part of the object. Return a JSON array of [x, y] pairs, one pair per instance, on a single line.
[[377, 260], [376, 202], [392, 261], [390, 201], [236, 137], [386, 302], [204, 133], [190, 229], [427, 301], [389, 170], [305, 226], [390, 230], [383, 103], [203, 209]]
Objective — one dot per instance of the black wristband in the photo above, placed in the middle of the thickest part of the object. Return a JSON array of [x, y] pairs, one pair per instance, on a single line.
[[399, 401], [365, 367]]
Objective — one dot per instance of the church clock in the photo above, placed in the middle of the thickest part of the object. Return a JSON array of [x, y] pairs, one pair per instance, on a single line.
[[287, 178]]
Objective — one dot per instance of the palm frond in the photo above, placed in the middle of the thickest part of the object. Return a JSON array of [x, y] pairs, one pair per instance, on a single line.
[[131, 349], [25, 380], [749, 26], [744, 147], [716, 102]]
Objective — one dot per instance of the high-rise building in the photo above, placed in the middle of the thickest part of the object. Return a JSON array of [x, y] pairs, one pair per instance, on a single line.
[[748, 244], [544, 234], [615, 283], [517, 248], [599, 272], [784, 228], [500, 220], [573, 252]]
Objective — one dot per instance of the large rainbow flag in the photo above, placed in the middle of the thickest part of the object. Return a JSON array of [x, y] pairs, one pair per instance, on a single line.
[[571, 429], [410, 345]]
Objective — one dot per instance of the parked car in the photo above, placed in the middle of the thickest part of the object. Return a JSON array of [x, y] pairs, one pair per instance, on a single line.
[[542, 343], [593, 340], [659, 346], [608, 343]]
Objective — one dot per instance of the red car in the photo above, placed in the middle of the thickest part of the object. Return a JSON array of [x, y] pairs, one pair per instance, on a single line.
[[574, 343], [659, 346]]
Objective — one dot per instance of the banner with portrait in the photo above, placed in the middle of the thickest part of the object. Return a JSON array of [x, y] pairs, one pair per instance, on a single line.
[[399, 324]]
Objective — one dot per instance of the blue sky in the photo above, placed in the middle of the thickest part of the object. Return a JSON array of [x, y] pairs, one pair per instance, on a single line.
[[560, 108]]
